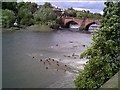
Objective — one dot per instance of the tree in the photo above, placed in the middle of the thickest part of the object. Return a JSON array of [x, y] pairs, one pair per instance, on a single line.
[[44, 15], [20, 4], [70, 8], [8, 18], [87, 14], [70, 12], [97, 15], [25, 13], [80, 14], [32, 7], [10, 5], [47, 5], [0, 13], [104, 55]]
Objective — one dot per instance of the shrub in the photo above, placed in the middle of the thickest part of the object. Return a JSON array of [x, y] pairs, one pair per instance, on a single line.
[[8, 18], [45, 15], [104, 55], [81, 28], [52, 24]]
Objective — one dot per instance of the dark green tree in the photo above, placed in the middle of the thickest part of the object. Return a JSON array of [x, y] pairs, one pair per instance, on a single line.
[[10, 5], [47, 5], [8, 18], [44, 15], [70, 8], [25, 13], [104, 53], [20, 4], [70, 12], [33, 7], [26, 18], [87, 14]]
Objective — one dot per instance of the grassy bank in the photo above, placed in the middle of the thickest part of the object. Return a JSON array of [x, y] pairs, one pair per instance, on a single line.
[[37, 28], [7, 29], [41, 28]]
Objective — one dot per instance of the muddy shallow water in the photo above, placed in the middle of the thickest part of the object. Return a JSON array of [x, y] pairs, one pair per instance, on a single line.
[[26, 62]]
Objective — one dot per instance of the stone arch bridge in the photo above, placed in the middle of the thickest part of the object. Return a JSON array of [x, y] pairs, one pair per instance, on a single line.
[[81, 22]]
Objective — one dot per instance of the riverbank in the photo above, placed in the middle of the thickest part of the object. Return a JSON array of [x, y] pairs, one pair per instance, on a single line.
[[36, 28], [40, 28]]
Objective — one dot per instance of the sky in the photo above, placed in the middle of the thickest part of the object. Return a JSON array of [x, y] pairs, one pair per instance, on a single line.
[[91, 5]]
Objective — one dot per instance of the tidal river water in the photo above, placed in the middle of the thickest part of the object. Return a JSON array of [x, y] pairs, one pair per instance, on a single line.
[[23, 50]]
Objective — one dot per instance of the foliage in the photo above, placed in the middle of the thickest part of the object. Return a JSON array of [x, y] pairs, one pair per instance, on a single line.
[[0, 18], [25, 13], [40, 28], [81, 14], [25, 18], [70, 8], [28, 5], [87, 14], [8, 18], [60, 22], [53, 25], [82, 28], [27, 21], [28, 13], [32, 7], [45, 16], [70, 12], [10, 5], [47, 5], [104, 55]]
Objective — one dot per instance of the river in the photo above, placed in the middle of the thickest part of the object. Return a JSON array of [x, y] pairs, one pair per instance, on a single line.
[[23, 50]]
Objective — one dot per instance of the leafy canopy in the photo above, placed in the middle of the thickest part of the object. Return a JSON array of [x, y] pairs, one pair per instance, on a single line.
[[104, 53], [44, 15], [8, 18]]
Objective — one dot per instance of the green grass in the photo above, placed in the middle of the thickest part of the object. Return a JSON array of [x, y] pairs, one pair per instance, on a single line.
[[41, 28]]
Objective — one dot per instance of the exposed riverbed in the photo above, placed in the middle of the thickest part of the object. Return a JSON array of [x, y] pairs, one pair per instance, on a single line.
[[42, 59]]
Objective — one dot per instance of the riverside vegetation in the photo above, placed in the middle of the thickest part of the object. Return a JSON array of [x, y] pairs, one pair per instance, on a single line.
[[104, 55], [31, 14]]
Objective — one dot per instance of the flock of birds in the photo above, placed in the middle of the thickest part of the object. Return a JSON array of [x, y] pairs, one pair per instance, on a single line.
[[51, 61]]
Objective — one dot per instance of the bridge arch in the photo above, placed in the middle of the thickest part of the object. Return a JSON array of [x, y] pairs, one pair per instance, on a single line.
[[89, 24], [80, 22], [67, 25]]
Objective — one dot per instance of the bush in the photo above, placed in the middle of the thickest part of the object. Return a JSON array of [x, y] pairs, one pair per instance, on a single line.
[[25, 17], [81, 28], [0, 18], [52, 24], [27, 21], [40, 28], [8, 18], [45, 15], [104, 55]]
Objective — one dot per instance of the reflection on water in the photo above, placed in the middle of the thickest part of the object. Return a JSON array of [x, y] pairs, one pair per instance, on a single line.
[[20, 70]]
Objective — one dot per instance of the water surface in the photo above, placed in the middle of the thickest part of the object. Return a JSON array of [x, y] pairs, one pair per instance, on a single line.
[[20, 70]]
